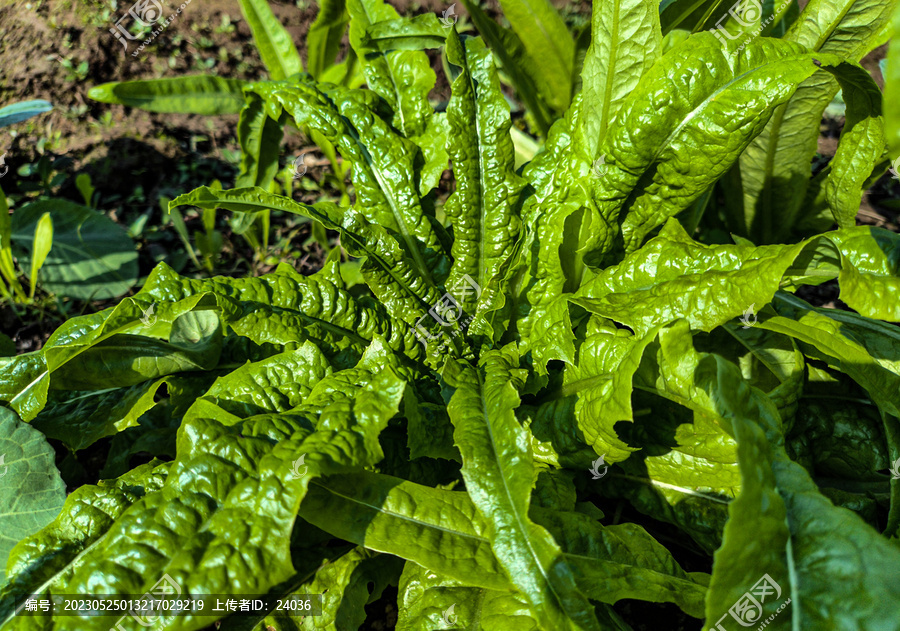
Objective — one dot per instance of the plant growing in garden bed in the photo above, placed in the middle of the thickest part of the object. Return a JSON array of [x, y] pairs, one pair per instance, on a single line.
[[449, 430], [78, 251]]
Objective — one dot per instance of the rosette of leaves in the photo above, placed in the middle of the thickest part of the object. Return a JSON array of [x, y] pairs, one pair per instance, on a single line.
[[781, 189], [336, 442]]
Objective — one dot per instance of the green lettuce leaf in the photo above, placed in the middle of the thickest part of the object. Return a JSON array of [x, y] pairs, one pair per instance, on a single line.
[[775, 168], [33, 493], [499, 477], [484, 208]]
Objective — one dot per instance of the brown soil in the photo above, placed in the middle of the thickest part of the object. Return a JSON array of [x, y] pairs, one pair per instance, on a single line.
[[58, 49]]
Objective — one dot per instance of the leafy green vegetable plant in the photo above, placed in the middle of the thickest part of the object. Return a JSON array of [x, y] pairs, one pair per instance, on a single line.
[[538, 54], [770, 194], [560, 346]]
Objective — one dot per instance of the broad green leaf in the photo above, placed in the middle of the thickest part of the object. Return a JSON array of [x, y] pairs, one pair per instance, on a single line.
[[623, 561], [650, 177], [32, 492], [673, 38], [430, 601], [347, 383], [673, 277], [861, 146], [25, 383], [839, 438], [499, 475], [429, 432], [601, 379], [276, 384], [92, 257], [29, 375], [550, 47], [414, 33], [554, 489], [51, 555], [40, 248], [440, 530], [510, 51], [210, 524], [260, 139], [686, 472], [556, 439], [870, 271], [383, 162], [390, 271], [768, 361], [346, 586], [18, 112], [279, 308], [155, 431], [308, 562], [866, 350], [201, 94], [891, 75], [272, 41], [403, 78], [424, 525], [556, 223], [121, 360], [819, 556], [775, 168], [625, 42], [323, 41], [79, 419], [484, 208], [822, 590], [363, 14], [758, 511]]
